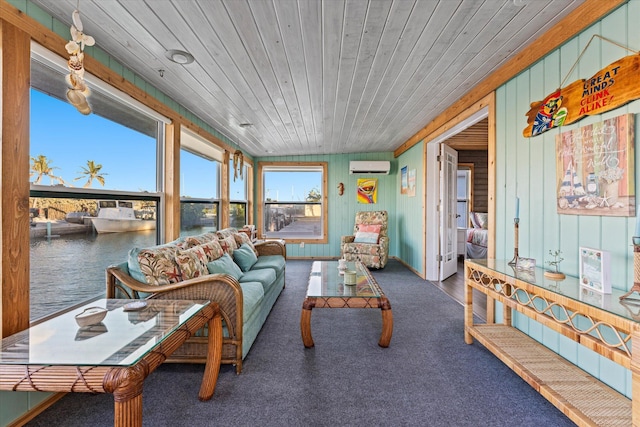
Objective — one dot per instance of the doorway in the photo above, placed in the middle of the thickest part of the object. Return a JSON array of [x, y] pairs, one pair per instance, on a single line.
[[470, 140]]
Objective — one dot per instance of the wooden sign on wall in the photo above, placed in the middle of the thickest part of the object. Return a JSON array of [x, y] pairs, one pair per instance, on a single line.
[[611, 87]]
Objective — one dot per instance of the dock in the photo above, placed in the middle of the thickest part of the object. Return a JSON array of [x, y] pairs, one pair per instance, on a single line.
[[44, 228]]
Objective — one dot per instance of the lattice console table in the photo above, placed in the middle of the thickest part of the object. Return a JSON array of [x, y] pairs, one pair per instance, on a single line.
[[599, 322]]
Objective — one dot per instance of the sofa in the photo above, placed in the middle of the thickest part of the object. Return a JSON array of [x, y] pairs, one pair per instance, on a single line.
[[244, 278]]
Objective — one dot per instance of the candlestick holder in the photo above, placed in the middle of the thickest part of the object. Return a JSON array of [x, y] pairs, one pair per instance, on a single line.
[[636, 267], [516, 227]]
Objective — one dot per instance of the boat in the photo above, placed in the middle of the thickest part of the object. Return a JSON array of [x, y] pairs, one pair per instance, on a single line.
[[117, 216], [77, 217]]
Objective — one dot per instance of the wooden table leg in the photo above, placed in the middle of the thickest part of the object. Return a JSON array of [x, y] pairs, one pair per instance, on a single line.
[[305, 322], [214, 356], [387, 322], [126, 386]]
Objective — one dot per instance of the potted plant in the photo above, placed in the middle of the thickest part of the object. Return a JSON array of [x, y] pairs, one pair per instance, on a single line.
[[553, 273]]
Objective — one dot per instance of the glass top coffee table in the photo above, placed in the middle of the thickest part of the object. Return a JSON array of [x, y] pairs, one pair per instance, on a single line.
[[327, 289], [114, 355]]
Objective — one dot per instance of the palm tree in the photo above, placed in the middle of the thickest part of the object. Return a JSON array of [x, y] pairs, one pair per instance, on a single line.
[[91, 172], [41, 167]]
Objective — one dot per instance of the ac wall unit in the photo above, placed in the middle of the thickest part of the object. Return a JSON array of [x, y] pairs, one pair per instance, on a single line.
[[381, 167]]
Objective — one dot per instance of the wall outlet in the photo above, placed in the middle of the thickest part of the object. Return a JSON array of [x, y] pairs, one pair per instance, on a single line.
[[302, 244]]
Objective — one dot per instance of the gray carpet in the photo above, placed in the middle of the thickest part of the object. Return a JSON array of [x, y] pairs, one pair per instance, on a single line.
[[427, 377]]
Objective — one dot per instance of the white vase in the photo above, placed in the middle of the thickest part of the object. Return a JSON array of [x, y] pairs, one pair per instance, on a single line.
[[610, 190]]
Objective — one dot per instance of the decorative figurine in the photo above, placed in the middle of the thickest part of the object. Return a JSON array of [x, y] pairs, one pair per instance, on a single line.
[[340, 189], [557, 259]]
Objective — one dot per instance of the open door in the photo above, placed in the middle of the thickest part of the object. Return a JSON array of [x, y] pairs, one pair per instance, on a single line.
[[441, 251], [448, 211]]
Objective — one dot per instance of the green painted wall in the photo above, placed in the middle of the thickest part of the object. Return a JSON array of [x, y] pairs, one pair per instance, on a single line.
[[342, 209], [526, 167], [410, 212]]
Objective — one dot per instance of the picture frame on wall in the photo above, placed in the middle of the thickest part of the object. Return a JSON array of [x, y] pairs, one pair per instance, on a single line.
[[404, 186], [595, 270]]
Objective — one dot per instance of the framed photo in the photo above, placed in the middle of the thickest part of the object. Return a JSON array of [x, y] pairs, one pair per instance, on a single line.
[[595, 270], [404, 186]]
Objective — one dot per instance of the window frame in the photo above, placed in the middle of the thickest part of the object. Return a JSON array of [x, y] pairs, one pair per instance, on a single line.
[[283, 166], [467, 167], [47, 58]]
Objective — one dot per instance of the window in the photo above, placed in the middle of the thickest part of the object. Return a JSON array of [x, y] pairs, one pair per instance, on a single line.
[[200, 164], [78, 162], [293, 199], [464, 197], [238, 197]]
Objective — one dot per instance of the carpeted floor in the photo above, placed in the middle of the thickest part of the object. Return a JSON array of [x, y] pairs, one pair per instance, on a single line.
[[427, 377]]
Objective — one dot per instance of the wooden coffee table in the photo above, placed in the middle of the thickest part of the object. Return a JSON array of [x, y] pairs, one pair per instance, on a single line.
[[113, 356], [326, 289]]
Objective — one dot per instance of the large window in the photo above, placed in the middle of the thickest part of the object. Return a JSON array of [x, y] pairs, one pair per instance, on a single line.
[[238, 196], [293, 201], [200, 163], [81, 166]]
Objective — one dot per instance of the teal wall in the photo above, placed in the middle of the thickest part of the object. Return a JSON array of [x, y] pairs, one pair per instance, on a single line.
[[342, 209], [527, 165], [410, 211]]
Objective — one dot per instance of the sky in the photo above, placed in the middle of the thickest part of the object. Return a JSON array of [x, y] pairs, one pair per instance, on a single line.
[[69, 139]]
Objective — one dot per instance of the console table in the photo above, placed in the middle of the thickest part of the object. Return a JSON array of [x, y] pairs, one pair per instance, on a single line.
[[599, 322]]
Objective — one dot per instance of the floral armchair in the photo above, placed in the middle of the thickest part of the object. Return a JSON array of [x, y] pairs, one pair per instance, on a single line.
[[369, 242]]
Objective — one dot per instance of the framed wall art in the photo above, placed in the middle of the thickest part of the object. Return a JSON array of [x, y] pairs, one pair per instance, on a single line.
[[595, 169]]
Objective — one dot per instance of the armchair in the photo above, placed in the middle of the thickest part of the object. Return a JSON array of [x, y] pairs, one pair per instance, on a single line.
[[369, 242]]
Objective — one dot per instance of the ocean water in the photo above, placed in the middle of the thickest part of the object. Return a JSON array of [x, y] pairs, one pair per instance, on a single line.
[[70, 269]]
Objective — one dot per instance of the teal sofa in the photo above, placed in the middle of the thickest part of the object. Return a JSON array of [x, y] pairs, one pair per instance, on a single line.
[[245, 279]]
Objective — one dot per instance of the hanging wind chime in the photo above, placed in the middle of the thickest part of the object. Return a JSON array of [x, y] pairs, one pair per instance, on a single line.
[[78, 91], [238, 164]]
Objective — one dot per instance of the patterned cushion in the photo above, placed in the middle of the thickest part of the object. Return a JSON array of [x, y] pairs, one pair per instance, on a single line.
[[245, 257], [212, 250], [192, 262], [242, 238], [158, 265], [225, 264], [480, 219], [228, 244], [191, 241]]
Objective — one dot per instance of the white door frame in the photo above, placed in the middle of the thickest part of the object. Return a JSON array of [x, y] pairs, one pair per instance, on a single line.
[[432, 186]]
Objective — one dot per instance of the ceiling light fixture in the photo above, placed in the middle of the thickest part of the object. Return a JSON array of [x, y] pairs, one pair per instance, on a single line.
[[179, 56]]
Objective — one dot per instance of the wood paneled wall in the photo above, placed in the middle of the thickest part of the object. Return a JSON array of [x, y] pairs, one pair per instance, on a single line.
[[526, 167], [480, 161], [342, 209]]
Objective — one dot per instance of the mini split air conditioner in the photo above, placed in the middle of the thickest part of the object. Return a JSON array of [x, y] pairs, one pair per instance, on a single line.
[[380, 167]]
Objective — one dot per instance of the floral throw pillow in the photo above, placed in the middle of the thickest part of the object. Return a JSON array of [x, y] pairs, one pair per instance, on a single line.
[[242, 238], [228, 244], [158, 265], [192, 263]]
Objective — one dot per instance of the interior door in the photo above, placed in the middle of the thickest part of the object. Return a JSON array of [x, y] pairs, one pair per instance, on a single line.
[[448, 211]]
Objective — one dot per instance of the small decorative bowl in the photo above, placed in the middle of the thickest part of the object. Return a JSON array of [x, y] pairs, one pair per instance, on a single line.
[[91, 316]]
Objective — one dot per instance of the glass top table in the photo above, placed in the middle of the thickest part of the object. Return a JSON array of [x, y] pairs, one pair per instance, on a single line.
[[122, 338], [326, 280], [327, 289], [114, 355]]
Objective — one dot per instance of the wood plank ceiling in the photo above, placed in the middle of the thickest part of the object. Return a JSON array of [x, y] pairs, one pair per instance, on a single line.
[[314, 76]]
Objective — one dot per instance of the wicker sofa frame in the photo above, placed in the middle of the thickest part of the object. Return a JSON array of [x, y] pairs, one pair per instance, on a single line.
[[221, 288]]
